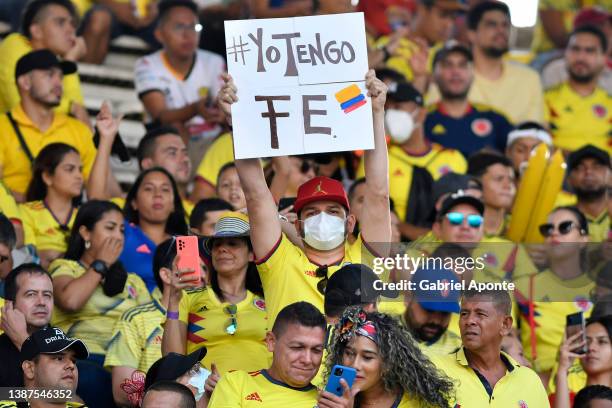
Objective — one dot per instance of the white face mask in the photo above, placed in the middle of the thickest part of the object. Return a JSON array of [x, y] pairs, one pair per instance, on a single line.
[[400, 124], [324, 231], [198, 381]]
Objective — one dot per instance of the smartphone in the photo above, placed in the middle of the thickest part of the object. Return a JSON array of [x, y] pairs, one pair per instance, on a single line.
[[285, 202], [338, 372], [189, 254], [574, 324]]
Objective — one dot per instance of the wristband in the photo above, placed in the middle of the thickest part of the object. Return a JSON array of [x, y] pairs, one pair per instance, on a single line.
[[172, 315]]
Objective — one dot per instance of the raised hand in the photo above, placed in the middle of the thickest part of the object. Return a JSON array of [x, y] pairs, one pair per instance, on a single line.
[[377, 90]]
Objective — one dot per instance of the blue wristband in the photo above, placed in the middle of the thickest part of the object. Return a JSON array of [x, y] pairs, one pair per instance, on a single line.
[[172, 315]]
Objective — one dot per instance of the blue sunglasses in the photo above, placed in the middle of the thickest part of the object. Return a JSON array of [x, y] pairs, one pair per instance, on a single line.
[[456, 218]]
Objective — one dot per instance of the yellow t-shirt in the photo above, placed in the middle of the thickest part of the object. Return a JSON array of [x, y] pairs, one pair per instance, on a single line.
[[288, 276], [95, 321], [206, 321], [42, 229], [8, 206], [517, 93], [220, 152], [570, 114], [12, 49], [16, 167], [553, 299], [438, 161], [405, 50], [137, 337], [519, 387], [576, 378], [258, 389]]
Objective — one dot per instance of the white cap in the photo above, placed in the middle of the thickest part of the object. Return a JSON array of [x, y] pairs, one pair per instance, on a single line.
[[539, 134]]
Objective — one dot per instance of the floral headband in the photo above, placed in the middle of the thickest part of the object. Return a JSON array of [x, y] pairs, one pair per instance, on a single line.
[[353, 322]]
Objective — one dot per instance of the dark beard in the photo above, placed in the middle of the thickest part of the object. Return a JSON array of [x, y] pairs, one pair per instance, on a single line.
[[426, 337], [450, 96], [495, 52], [581, 79], [590, 196]]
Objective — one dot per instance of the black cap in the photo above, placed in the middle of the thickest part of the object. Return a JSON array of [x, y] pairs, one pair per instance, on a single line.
[[588, 151], [353, 284], [172, 366], [42, 59], [403, 91], [460, 198], [450, 183], [450, 47], [51, 340]]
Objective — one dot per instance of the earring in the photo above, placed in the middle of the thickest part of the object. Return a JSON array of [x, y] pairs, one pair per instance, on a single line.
[[87, 244]]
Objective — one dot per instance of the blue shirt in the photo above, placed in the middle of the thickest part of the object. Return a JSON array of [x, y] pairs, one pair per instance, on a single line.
[[480, 126], [137, 255]]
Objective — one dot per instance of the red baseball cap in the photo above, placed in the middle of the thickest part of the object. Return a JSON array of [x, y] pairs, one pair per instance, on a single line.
[[320, 188]]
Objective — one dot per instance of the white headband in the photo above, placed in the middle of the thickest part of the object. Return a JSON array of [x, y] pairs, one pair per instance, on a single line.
[[539, 134]]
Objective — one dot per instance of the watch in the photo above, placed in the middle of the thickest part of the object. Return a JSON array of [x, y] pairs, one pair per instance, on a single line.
[[99, 267]]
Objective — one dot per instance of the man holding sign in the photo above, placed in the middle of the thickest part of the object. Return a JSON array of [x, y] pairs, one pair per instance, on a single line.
[[288, 272]]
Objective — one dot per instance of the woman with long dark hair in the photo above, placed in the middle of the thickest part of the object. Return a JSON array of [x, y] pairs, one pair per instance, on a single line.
[[392, 372], [547, 297], [153, 213], [52, 199], [227, 315], [92, 289]]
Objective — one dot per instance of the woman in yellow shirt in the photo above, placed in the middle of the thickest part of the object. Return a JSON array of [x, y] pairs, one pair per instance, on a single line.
[[391, 369], [229, 313], [92, 290], [52, 199]]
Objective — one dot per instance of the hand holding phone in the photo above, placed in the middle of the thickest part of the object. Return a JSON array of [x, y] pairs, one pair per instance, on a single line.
[[339, 372], [188, 256], [575, 324]]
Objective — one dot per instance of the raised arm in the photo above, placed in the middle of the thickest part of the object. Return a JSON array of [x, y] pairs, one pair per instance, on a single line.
[[376, 217], [107, 129], [263, 214]]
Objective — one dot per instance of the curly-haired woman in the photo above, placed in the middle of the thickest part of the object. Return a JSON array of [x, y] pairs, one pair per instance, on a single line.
[[392, 372]]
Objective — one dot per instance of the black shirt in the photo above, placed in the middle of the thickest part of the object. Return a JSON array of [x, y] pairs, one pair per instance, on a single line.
[[11, 374]]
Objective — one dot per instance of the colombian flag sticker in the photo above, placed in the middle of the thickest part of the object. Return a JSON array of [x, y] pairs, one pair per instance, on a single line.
[[350, 98]]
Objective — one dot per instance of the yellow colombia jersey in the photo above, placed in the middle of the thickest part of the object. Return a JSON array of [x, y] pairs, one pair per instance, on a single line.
[[137, 337], [438, 161], [16, 167], [598, 227], [95, 321], [207, 319], [220, 152], [258, 389], [8, 206], [12, 48], [288, 276], [576, 378], [569, 114], [519, 387], [42, 229], [405, 50], [551, 300]]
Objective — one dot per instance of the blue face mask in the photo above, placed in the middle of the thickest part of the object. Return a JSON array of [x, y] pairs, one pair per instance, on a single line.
[[197, 381]]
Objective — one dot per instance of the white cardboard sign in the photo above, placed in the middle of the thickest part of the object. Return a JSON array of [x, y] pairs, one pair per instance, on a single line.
[[301, 85]]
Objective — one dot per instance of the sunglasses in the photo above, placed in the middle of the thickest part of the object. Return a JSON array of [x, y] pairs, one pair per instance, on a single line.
[[564, 228], [456, 218], [306, 166], [232, 322]]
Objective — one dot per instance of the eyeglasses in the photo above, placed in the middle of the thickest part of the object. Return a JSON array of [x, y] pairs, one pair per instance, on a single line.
[[187, 28], [456, 218], [321, 272], [233, 322], [564, 228]]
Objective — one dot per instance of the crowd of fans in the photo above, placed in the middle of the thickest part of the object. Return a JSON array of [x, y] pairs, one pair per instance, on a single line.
[[96, 303]]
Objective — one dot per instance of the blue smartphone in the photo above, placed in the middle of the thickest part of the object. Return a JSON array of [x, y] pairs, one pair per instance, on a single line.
[[338, 372]]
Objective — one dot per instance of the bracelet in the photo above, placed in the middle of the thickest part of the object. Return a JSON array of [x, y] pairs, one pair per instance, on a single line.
[[172, 315]]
